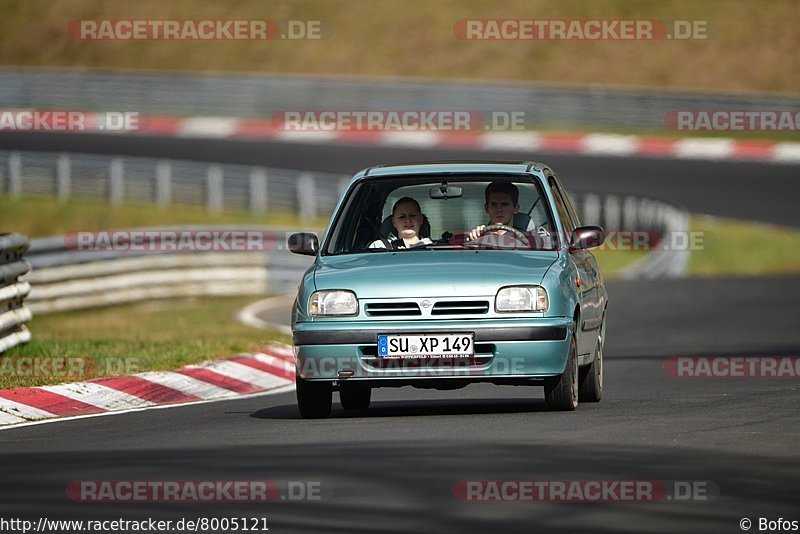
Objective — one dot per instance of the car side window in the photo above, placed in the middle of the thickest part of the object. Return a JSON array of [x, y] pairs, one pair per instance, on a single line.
[[561, 208]]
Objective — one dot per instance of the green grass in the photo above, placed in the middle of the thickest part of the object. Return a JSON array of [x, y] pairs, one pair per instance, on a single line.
[[737, 248], [44, 216], [612, 262], [726, 247], [153, 336], [750, 44]]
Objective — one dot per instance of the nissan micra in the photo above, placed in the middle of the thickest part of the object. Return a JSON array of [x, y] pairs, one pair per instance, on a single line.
[[440, 275]]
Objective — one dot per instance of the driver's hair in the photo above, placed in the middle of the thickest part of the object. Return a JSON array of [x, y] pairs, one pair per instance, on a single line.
[[506, 188]]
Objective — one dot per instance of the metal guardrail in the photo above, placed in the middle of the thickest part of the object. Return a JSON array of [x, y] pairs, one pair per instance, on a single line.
[[63, 278], [13, 313], [544, 105], [163, 181], [660, 220]]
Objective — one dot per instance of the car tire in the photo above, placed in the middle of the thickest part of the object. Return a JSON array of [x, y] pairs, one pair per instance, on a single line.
[[591, 389], [314, 399], [561, 392], [355, 398]]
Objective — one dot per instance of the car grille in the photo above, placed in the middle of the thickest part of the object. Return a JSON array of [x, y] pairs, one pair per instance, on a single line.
[[399, 309], [460, 307]]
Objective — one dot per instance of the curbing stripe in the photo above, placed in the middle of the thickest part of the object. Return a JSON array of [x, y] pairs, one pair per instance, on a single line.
[[186, 384], [510, 141], [98, 395], [618, 145], [245, 374], [212, 377], [281, 351], [558, 142], [270, 364], [242, 375], [23, 411], [146, 389], [704, 149], [787, 153], [210, 127], [287, 367], [8, 419], [48, 401], [409, 139]]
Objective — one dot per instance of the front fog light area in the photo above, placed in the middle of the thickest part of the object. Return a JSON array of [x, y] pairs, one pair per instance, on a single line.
[[521, 299], [333, 303]]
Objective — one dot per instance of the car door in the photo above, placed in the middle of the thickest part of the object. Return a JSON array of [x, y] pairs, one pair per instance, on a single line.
[[586, 266]]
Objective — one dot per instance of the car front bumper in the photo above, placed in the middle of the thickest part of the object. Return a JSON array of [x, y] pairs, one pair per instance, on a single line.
[[504, 348]]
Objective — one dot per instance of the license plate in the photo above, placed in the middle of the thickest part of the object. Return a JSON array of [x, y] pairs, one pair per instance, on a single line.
[[425, 345]]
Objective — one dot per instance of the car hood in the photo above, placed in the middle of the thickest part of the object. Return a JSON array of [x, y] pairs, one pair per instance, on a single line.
[[431, 273]]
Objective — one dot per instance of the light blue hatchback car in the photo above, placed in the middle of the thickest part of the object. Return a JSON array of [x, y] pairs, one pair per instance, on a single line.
[[439, 275]]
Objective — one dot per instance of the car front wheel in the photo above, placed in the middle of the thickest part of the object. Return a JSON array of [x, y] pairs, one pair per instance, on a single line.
[[561, 392], [314, 398], [591, 389]]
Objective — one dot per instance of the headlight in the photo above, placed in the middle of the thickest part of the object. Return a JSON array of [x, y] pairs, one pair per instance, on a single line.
[[521, 298], [332, 303]]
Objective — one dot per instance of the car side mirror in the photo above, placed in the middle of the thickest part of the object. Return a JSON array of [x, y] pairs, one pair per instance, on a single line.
[[585, 237], [304, 243]]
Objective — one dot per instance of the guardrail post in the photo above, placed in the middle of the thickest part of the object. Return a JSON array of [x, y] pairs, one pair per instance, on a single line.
[[14, 174], [591, 209], [116, 181], [630, 214], [611, 213], [163, 183], [307, 196], [63, 177], [214, 184], [259, 197]]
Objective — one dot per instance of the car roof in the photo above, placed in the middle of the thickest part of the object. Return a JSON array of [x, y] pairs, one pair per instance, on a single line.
[[456, 167]]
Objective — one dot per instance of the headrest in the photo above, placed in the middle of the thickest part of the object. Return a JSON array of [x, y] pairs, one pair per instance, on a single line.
[[521, 221]]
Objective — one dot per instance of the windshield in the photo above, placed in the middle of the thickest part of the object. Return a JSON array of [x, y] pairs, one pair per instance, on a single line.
[[419, 214]]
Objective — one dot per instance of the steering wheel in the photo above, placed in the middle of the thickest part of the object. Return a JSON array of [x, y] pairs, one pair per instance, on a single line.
[[519, 236]]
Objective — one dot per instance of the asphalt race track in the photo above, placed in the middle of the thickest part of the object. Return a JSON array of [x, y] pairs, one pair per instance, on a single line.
[[393, 468]]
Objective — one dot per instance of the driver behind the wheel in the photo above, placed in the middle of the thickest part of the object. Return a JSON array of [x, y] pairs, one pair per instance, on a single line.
[[502, 202]]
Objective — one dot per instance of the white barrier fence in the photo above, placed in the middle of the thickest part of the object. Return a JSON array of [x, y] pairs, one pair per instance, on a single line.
[[216, 186], [66, 279], [13, 313]]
